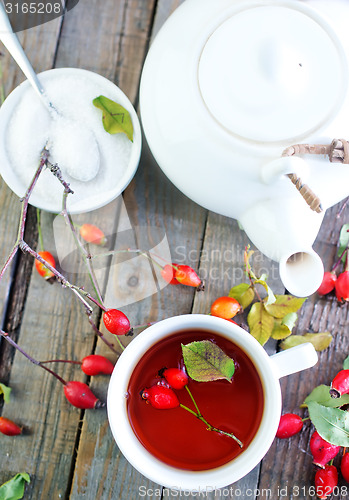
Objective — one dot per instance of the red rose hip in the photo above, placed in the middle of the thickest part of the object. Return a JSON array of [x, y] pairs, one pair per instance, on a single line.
[[80, 395], [325, 481], [9, 428], [168, 273], [328, 283], [342, 286], [41, 268], [345, 467], [94, 364], [290, 424], [160, 397], [116, 322], [187, 276], [340, 384], [92, 234], [225, 307], [176, 378], [321, 450]]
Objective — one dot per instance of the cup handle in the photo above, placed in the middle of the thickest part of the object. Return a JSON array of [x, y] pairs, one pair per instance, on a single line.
[[294, 359]]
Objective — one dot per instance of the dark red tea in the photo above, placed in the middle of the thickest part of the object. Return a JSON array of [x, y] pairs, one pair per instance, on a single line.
[[177, 437]]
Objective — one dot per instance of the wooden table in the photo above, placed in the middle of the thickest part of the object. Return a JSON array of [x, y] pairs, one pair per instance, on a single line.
[[71, 453]]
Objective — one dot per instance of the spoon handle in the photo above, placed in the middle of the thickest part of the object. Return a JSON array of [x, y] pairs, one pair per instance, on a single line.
[[11, 42]]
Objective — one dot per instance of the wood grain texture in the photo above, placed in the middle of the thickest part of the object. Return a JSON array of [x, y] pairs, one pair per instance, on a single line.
[[71, 453], [155, 216], [316, 315]]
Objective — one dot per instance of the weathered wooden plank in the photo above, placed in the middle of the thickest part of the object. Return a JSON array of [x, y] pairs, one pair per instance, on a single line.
[[155, 210], [222, 267], [60, 328], [317, 314], [39, 43], [45, 38]]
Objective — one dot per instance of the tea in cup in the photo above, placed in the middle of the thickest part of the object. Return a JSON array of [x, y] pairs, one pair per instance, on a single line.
[[220, 429]]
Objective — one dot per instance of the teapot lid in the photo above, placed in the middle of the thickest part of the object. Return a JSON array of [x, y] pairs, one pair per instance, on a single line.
[[272, 72]]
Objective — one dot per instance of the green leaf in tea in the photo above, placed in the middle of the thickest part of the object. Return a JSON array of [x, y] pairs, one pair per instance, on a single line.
[[331, 423], [321, 395], [14, 488], [243, 293], [5, 391], [319, 340], [283, 305], [205, 361], [116, 118], [260, 322]]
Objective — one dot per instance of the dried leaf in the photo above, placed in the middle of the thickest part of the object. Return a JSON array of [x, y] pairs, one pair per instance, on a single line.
[[14, 488], [260, 322], [5, 391], [331, 423], [243, 293], [283, 305], [321, 395], [205, 361], [319, 340], [116, 118]]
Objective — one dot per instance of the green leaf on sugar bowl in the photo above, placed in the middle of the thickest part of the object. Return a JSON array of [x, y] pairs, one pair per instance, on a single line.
[[116, 118]]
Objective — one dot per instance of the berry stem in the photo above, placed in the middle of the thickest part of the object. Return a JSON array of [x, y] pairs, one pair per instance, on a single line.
[[30, 358], [211, 427], [41, 241], [345, 251], [102, 337], [86, 256], [143, 326], [132, 250], [61, 361], [193, 400], [198, 415]]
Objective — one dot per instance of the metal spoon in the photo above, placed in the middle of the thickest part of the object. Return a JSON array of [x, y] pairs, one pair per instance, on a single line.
[[11, 42]]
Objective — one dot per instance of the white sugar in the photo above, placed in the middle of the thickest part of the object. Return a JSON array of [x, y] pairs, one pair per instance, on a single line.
[[91, 160]]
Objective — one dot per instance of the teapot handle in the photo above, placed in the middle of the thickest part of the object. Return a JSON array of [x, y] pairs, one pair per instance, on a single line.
[[294, 167]]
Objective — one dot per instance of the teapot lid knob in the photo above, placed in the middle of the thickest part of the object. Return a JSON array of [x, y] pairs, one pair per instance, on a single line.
[[273, 73]]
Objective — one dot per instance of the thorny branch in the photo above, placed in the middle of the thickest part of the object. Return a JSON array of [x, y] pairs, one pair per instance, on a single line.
[[79, 292]]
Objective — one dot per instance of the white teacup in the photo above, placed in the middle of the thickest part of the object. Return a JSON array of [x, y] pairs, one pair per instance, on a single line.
[[270, 370]]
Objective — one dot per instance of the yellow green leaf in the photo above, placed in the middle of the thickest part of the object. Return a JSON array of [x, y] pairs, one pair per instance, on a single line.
[[260, 322], [271, 297], [115, 117], [319, 340], [243, 293], [280, 331], [283, 305], [5, 391]]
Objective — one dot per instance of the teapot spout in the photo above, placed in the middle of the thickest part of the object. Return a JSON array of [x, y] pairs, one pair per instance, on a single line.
[[284, 230], [301, 272]]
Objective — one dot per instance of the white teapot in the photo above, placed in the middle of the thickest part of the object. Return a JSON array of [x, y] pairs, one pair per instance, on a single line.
[[229, 90]]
